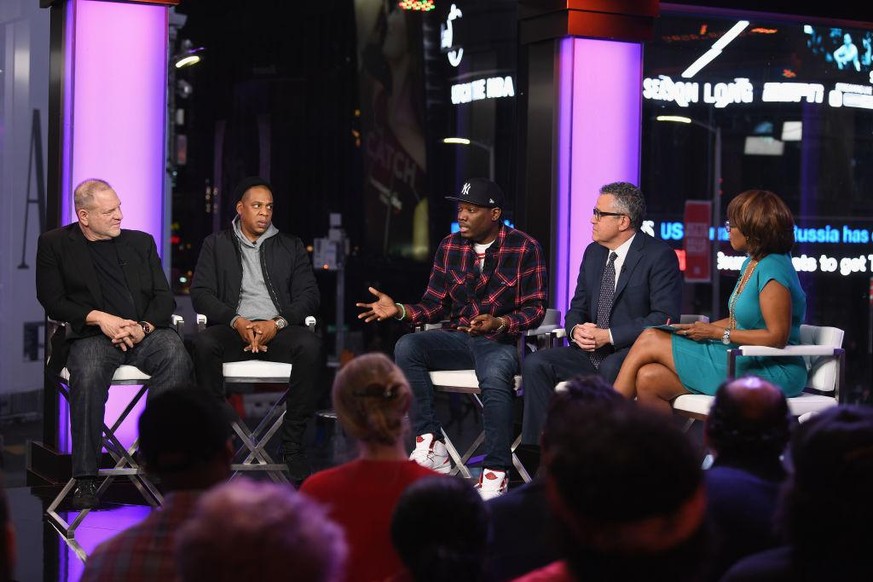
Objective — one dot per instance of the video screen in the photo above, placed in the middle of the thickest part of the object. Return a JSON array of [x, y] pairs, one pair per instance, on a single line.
[[841, 50]]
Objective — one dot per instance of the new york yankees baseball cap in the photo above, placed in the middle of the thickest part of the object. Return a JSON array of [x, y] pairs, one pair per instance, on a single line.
[[481, 192]]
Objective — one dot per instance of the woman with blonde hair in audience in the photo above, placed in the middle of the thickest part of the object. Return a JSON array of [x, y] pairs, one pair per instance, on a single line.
[[371, 397]]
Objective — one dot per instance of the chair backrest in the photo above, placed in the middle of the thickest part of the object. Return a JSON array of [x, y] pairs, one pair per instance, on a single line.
[[823, 371], [553, 317]]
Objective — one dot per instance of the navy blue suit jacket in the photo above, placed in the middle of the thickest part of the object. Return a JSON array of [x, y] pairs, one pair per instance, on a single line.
[[648, 291]]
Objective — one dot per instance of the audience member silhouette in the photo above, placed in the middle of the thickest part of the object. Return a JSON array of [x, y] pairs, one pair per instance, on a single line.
[[747, 430], [523, 535], [627, 488], [439, 529], [184, 441], [7, 539], [257, 530], [825, 508], [371, 397]]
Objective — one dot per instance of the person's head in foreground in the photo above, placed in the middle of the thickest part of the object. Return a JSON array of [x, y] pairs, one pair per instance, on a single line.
[[185, 439], [256, 530], [627, 488], [371, 397], [748, 421], [826, 504], [440, 529]]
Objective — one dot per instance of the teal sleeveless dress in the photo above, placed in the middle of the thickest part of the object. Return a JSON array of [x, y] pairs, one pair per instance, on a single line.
[[702, 366]]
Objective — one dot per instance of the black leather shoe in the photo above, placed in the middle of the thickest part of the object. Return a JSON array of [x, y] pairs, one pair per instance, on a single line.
[[298, 467], [85, 494]]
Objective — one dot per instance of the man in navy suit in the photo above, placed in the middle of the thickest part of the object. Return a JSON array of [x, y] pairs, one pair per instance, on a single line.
[[108, 285], [646, 290]]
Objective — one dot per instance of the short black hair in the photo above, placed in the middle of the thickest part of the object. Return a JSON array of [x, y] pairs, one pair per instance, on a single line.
[[584, 390], [249, 182], [181, 429], [620, 463], [451, 544]]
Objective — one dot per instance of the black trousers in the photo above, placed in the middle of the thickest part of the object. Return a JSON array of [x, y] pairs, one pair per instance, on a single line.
[[295, 345], [542, 370]]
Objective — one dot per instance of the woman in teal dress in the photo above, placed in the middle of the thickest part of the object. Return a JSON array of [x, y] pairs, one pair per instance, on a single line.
[[765, 308]]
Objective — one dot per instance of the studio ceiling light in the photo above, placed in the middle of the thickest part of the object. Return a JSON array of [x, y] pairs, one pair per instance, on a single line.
[[716, 49]]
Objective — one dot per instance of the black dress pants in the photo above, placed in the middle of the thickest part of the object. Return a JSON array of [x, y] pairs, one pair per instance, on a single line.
[[295, 344]]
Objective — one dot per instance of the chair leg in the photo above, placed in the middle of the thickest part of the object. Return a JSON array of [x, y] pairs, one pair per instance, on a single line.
[[254, 443], [460, 466], [525, 476]]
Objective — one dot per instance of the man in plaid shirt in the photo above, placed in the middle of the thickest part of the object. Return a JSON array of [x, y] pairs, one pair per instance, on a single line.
[[489, 282]]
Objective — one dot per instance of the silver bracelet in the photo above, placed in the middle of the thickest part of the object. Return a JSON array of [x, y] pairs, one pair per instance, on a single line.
[[402, 309]]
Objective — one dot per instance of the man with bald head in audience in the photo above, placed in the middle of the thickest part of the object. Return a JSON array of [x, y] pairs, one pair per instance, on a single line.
[[747, 430]]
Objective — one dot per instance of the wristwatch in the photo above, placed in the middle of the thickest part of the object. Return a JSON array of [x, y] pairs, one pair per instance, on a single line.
[[726, 336], [280, 321], [146, 327]]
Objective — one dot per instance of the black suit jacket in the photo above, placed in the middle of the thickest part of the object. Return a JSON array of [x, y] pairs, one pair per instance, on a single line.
[[67, 285], [648, 290]]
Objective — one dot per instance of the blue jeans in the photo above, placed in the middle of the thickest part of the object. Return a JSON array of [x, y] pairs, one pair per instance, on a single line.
[[496, 365], [92, 362]]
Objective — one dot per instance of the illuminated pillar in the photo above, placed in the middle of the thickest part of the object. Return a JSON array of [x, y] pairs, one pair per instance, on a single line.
[[583, 120], [108, 119]]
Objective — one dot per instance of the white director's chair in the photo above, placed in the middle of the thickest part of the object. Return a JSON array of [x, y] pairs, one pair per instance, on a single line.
[[252, 454]]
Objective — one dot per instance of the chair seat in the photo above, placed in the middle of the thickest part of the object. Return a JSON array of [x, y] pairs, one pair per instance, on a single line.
[[462, 381], [693, 404], [699, 404], [123, 375], [808, 403], [256, 371]]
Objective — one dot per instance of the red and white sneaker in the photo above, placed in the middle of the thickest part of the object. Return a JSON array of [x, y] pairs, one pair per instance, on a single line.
[[431, 453], [492, 483]]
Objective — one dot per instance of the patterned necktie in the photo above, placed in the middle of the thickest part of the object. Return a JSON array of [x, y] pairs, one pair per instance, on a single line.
[[604, 304]]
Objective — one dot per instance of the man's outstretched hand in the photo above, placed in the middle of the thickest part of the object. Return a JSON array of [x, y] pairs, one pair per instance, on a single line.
[[383, 308]]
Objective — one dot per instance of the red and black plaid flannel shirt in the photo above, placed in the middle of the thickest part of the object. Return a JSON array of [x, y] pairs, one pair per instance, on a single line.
[[513, 283]]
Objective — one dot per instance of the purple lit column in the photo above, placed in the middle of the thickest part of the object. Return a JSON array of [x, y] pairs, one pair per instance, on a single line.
[[581, 119], [599, 128], [114, 107]]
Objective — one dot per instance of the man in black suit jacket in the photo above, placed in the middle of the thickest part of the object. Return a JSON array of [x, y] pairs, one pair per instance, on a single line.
[[108, 286], [647, 291]]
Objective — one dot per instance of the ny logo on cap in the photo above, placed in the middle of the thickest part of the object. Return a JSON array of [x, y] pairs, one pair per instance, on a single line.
[[466, 189]]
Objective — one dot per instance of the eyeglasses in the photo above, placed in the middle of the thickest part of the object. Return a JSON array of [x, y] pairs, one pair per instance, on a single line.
[[598, 214]]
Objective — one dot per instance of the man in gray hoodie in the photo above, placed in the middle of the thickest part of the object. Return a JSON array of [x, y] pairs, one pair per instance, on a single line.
[[256, 287]]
